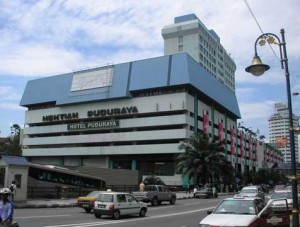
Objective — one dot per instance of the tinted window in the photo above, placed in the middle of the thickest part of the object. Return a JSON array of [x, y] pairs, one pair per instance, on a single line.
[[121, 198]]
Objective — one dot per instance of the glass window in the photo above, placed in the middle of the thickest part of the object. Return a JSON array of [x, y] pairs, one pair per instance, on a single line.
[[180, 39], [130, 198], [121, 198]]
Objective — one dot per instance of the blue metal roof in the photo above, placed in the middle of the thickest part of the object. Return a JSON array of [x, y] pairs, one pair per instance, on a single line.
[[15, 160], [161, 72]]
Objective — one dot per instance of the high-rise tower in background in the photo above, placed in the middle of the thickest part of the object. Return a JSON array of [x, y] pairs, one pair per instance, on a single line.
[[188, 34], [279, 131]]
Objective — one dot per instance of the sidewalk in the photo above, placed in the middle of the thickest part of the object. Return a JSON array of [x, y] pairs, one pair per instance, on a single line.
[[59, 203]]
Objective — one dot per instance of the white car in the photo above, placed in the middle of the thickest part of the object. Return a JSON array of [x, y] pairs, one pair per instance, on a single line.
[[282, 195], [241, 211], [115, 204]]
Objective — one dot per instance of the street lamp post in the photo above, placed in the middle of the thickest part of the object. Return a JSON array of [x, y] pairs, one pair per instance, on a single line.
[[257, 69]]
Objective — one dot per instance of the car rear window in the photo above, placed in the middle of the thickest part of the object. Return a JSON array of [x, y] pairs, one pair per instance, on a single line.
[[93, 194], [249, 190], [281, 196], [150, 189], [105, 198]]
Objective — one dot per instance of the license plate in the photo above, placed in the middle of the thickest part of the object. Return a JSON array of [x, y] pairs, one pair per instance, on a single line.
[[85, 205], [101, 206]]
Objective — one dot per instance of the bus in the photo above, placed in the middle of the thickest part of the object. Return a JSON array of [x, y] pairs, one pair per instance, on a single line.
[[49, 181]]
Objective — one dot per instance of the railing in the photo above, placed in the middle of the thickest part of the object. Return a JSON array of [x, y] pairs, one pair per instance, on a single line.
[[72, 192]]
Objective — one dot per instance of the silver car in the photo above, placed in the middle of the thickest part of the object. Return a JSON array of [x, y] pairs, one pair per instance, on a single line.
[[252, 191], [116, 204]]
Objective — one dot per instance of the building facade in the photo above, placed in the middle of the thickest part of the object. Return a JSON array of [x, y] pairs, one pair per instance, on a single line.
[[133, 116], [188, 34], [279, 127]]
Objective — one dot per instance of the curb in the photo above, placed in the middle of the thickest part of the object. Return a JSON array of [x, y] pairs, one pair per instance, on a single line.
[[22, 206]]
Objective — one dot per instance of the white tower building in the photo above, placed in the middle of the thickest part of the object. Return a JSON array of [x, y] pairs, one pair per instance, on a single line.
[[279, 131], [188, 34]]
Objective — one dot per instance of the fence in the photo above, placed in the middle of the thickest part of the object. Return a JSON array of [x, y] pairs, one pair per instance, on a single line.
[[72, 192]]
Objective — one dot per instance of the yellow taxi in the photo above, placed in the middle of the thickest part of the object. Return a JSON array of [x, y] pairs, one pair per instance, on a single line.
[[87, 202]]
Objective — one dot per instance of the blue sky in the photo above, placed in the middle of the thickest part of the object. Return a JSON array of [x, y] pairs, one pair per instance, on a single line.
[[45, 38]]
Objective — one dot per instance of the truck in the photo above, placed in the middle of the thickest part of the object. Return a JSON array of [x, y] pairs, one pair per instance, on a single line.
[[155, 194]]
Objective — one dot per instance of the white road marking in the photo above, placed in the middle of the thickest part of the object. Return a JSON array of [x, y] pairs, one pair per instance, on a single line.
[[123, 221], [210, 201], [158, 208]]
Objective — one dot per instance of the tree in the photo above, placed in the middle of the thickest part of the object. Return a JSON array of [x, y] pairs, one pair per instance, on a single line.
[[202, 157], [153, 180], [12, 145]]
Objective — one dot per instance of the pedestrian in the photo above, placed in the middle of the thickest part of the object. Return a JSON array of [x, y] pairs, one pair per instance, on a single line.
[[195, 190], [6, 208], [214, 192], [13, 190], [142, 186], [188, 188]]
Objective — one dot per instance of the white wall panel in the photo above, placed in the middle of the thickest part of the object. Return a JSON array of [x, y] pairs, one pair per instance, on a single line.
[[105, 150], [109, 137], [124, 123]]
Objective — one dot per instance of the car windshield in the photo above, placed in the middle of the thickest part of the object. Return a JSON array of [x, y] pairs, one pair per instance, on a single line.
[[105, 198], [236, 207], [283, 195], [248, 190], [93, 194], [203, 190], [279, 187]]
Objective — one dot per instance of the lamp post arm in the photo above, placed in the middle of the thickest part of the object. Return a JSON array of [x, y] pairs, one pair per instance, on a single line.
[[263, 36]]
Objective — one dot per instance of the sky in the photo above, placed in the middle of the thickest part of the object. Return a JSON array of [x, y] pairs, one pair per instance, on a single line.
[[50, 37]]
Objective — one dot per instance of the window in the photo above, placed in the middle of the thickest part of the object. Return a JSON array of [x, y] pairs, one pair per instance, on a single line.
[[180, 39], [180, 48], [121, 198]]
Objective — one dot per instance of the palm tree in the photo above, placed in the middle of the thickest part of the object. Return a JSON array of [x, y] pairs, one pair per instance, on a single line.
[[202, 157]]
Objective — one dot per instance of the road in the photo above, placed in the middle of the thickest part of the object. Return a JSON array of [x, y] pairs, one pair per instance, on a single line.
[[185, 213]]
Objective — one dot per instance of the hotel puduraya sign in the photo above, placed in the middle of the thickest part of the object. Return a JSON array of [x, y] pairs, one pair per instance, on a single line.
[[94, 125]]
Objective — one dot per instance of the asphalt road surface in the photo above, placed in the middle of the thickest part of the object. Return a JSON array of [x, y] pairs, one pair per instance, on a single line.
[[185, 213]]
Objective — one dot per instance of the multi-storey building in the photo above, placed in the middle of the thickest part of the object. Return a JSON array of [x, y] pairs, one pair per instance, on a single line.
[[133, 116], [188, 34], [279, 131]]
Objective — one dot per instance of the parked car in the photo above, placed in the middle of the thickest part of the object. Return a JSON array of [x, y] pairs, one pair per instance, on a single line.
[[205, 193], [116, 204], [250, 211], [87, 202], [155, 194], [252, 191]]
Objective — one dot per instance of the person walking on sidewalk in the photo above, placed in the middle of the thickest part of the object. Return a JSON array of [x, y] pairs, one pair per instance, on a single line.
[[6, 208], [13, 190]]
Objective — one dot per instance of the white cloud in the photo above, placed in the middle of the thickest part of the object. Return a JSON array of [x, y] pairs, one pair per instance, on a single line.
[[11, 106], [43, 38], [9, 93]]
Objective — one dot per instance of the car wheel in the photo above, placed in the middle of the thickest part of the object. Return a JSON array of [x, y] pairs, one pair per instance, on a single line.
[[172, 200], [142, 212], [97, 215], [116, 214], [154, 201], [88, 210]]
